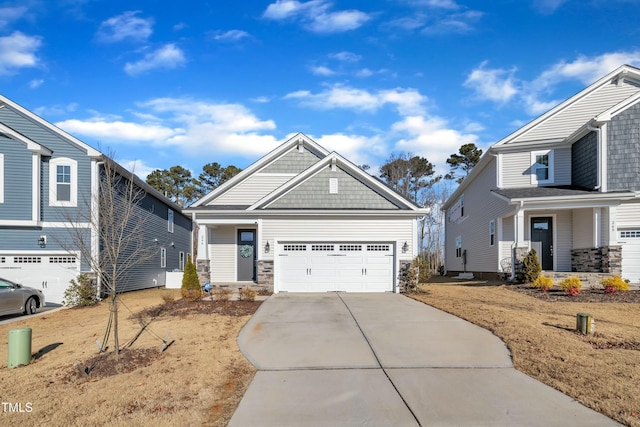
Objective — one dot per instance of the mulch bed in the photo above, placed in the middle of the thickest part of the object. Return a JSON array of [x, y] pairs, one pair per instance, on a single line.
[[183, 307], [585, 295]]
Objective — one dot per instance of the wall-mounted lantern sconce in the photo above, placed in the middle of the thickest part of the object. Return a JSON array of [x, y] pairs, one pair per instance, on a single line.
[[405, 247], [173, 245], [156, 241], [267, 247], [42, 241]]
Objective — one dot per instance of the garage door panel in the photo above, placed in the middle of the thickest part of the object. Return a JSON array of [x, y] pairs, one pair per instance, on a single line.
[[349, 266], [49, 272], [630, 241]]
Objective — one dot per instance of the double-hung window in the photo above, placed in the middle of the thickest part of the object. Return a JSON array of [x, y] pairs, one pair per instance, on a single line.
[[542, 167], [163, 257], [63, 182]]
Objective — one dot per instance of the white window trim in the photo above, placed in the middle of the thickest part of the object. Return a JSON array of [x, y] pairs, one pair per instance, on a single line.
[[181, 261], [1, 178], [73, 166], [163, 257], [534, 176], [170, 220]]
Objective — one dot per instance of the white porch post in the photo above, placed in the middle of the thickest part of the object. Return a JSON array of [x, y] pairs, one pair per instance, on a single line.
[[613, 232], [203, 242], [519, 224], [597, 227]]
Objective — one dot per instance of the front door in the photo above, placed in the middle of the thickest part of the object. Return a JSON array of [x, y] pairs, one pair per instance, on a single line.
[[246, 255], [542, 232]]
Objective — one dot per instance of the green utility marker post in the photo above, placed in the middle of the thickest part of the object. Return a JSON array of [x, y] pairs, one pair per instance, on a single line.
[[19, 348]]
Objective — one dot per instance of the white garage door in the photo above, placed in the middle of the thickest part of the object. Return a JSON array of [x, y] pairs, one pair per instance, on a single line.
[[51, 273], [630, 241], [322, 267]]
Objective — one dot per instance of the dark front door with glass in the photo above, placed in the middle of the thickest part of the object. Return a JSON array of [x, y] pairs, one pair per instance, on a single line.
[[542, 232], [246, 255]]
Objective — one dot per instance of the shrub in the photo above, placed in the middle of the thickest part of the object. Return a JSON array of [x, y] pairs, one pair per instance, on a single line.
[[571, 285], [543, 282], [530, 269], [247, 294], [221, 294], [82, 292], [168, 298], [614, 284], [191, 289], [422, 264]]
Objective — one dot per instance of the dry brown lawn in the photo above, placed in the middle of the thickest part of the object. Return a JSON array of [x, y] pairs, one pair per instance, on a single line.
[[601, 370], [198, 380]]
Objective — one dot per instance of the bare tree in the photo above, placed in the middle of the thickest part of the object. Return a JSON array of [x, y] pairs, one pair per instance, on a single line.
[[115, 218]]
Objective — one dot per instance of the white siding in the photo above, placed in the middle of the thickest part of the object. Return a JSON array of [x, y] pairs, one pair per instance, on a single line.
[[222, 253], [252, 189], [582, 228], [628, 215], [480, 207], [516, 169], [567, 121], [339, 230]]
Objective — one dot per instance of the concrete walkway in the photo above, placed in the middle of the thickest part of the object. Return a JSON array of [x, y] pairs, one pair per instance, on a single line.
[[339, 359]]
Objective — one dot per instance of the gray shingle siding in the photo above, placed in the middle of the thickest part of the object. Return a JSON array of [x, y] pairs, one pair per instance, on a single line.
[[17, 181], [584, 162], [314, 194], [623, 154], [293, 162]]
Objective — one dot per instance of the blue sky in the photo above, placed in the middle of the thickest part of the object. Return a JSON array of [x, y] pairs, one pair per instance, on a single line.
[[195, 82]]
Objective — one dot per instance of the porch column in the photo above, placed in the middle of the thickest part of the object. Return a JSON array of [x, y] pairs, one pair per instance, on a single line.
[[597, 227], [519, 225], [203, 242], [613, 232]]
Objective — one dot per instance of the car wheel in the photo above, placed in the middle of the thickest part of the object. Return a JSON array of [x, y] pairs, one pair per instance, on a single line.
[[31, 306]]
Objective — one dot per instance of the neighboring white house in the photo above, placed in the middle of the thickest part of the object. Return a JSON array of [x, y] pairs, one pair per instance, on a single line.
[[566, 184], [302, 219]]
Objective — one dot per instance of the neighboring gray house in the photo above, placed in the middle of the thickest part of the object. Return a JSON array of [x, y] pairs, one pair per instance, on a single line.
[[566, 184], [48, 179], [303, 219]]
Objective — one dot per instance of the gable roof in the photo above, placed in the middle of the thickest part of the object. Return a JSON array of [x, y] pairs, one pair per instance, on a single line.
[[335, 160], [568, 120], [30, 143], [91, 152], [299, 140]]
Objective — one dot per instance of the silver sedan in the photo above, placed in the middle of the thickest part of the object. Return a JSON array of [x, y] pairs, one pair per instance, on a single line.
[[15, 298]]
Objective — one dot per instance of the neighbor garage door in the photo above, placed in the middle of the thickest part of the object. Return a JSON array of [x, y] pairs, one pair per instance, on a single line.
[[322, 267], [51, 273], [630, 241]]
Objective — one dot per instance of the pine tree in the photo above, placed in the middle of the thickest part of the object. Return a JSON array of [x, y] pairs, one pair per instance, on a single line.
[[191, 289]]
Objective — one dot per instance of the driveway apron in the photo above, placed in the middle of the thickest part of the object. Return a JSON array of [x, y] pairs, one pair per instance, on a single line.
[[340, 359]]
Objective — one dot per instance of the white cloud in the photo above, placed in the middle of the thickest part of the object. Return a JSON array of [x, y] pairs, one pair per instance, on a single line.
[[345, 56], [501, 85], [459, 23], [321, 70], [17, 51], [168, 56], [430, 137], [230, 36], [196, 127], [338, 22], [127, 26], [548, 6], [35, 83], [56, 110], [315, 15], [494, 84], [10, 14], [118, 130], [359, 149], [139, 167], [406, 101], [436, 4]]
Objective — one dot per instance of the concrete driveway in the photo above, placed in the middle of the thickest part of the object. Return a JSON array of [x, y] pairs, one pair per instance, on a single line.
[[338, 359]]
